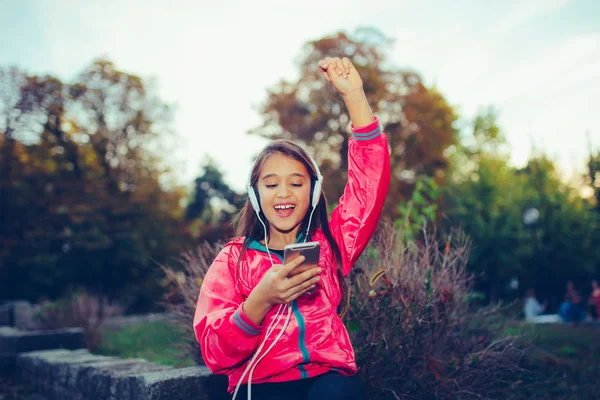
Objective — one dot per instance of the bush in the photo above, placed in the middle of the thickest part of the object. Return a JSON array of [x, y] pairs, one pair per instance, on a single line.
[[416, 330], [79, 310], [416, 327], [182, 295]]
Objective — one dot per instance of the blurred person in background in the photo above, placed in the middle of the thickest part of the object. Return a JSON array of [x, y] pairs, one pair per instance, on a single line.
[[532, 307], [571, 309], [594, 300]]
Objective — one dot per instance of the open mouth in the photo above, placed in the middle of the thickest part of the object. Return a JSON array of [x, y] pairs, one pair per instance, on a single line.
[[284, 210]]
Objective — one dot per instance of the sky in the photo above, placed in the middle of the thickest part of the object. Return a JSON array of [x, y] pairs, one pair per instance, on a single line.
[[536, 61]]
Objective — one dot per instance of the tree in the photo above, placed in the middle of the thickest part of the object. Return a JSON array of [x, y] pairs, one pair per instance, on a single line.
[[84, 194], [483, 199], [593, 179], [210, 185], [594, 176], [417, 119], [487, 198], [486, 201], [213, 205], [565, 243]]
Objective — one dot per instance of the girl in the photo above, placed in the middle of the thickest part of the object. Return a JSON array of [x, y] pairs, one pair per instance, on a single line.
[[595, 299], [254, 320]]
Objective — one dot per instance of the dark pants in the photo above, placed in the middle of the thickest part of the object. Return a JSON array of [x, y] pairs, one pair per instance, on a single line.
[[330, 386], [570, 312]]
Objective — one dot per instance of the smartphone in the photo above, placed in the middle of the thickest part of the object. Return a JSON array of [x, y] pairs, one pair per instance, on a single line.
[[310, 250]]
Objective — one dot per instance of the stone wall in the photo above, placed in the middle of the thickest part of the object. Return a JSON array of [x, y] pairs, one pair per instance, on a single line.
[[18, 314], [14, 342], [79, 375], [58, 366]]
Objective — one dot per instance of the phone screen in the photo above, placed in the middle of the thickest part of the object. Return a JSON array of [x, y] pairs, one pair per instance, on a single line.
[[310, 250]]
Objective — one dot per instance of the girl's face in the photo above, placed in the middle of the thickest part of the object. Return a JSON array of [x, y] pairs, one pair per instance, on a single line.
[[284, 189]]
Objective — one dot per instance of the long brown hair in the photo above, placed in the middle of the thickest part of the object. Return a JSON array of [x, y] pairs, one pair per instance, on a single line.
[[247, 225]]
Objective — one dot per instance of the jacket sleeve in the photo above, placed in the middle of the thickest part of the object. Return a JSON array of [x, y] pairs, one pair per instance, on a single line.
[[226, 335], [356, 216]]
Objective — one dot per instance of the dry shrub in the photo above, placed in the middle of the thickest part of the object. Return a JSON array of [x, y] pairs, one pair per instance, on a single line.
[[184, 286], [415, 332], [79, 310]]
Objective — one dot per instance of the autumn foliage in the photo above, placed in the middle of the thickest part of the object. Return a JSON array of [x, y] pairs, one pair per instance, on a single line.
[[416, 118], [84, 200]]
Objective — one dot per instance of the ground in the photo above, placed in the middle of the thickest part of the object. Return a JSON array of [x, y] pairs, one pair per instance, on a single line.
[[571, 354]]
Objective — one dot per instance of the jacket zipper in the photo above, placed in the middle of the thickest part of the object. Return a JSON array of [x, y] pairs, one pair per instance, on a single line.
[[299, 318]]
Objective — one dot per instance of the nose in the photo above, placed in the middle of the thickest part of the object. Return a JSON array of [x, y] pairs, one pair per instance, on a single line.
[[283, 191]]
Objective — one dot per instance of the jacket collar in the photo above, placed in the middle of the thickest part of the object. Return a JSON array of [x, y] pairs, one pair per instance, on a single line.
[[256, 245]]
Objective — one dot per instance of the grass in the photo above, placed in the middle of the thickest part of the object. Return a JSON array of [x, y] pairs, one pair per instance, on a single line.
[[158, 342], [577, 363], [570, 354]]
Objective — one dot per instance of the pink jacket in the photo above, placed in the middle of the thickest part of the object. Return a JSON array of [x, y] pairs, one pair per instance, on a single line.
[[316, 340]]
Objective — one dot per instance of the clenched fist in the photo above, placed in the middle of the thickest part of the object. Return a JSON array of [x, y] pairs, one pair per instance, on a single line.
[[342, 74]]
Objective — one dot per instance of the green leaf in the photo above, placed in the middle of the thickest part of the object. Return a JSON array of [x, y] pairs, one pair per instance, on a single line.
[[353, 326]]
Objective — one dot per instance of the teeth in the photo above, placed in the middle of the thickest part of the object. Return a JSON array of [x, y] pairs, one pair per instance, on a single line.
[[285, 207]]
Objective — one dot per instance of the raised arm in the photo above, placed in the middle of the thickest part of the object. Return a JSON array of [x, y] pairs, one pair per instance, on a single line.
[[354, 220], [356, 216]]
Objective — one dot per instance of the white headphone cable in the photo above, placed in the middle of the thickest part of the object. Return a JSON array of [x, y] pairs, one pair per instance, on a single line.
[[309, 221], [283, 328], [285, 325], [278, 315], [270, 329], [266, 237]]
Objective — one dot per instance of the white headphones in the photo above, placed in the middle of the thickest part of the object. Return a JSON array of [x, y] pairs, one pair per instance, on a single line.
[[255, 202], [315, 195]]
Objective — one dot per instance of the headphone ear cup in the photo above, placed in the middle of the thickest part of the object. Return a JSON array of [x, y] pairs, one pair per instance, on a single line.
[[253, 197], [316, 194]]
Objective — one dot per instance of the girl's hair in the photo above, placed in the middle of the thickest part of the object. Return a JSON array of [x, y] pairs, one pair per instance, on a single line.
[[247, 225]]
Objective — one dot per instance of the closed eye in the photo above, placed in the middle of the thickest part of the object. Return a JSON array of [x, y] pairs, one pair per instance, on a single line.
[[271, 186]]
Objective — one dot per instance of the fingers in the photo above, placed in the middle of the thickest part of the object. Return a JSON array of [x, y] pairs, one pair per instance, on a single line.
[[331, 67], [347, 65], [338, 67], [299, 290], [305, 276], [287, 268], [295, 296], [323, 69]]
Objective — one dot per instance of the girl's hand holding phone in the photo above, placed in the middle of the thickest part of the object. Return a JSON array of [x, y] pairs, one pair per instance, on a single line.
[[278, 286]]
